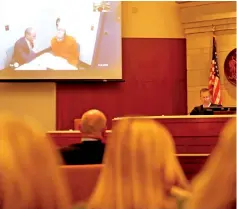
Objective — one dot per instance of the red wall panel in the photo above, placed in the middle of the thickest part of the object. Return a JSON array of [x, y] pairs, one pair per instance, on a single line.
[[154, 70]]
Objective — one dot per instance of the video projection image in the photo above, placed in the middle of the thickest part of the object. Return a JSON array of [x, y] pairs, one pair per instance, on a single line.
[[60, 39]]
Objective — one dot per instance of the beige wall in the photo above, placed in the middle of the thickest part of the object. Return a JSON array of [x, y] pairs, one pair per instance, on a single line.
[[151, 20], [197, 19], [34, 99]]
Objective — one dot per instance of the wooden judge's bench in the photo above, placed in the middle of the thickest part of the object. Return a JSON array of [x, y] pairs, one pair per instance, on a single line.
[[192, 134]]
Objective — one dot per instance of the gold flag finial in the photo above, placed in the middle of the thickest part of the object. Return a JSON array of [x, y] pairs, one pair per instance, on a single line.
[[213, 28]]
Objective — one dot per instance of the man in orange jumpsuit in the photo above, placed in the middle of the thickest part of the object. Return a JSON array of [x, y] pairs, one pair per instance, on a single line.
[[65, 46]]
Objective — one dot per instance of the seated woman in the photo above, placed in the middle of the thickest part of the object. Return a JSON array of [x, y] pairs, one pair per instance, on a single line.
[[215, 186], [30, 177], [140, 169]]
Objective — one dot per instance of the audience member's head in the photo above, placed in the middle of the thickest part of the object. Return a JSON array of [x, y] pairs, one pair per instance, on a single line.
[[205, 96], [93, 124], [61, 29], [140, 168], [215, 186], [30, 177], [30, 34]]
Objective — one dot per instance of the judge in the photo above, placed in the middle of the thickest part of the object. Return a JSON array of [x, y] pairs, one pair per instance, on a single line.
[[205, 98]]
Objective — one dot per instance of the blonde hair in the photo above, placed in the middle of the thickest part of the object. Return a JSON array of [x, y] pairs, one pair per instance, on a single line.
[[30, 176], [215, 186], [140, 167]]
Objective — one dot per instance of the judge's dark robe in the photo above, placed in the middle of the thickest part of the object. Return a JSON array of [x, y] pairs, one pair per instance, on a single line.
[[200, 110]]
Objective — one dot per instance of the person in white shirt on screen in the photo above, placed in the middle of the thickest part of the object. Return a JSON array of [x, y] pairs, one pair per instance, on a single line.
[[24, 49]]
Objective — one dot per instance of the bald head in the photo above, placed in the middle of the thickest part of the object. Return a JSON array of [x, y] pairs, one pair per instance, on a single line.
[[29, 31], [93, 122], [30, 34]]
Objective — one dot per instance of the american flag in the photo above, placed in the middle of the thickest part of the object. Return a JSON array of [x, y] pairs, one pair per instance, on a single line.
[[214, 79]]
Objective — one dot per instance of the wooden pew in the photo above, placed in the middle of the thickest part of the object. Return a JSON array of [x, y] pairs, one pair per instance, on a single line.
[[192, 163], [82, 178]]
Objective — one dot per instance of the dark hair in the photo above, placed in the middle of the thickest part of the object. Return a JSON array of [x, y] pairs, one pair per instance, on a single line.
[[57, 21], [203, 90]]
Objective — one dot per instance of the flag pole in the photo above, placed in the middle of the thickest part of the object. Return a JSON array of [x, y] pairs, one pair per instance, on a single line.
[[214, 78]]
